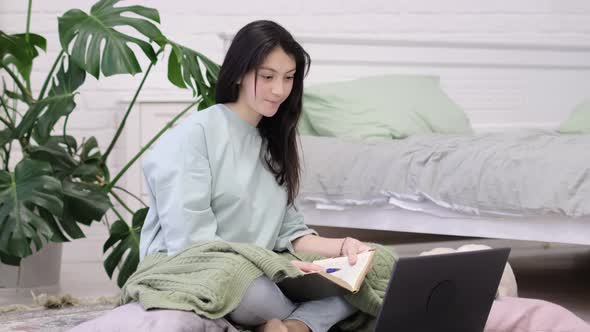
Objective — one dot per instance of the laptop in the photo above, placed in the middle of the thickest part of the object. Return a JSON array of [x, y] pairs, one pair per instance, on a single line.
[[444, 293]]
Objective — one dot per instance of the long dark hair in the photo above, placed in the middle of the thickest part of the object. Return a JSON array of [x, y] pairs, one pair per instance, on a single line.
[[247, 52]]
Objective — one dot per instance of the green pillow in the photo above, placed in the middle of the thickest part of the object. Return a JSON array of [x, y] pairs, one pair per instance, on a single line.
[[389, 106], [579, 120], [304, 126]]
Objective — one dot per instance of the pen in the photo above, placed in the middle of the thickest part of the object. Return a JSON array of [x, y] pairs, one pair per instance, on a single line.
[[332, 270]]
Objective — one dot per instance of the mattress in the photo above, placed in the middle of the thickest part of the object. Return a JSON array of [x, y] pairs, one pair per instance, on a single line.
[[523, 173]]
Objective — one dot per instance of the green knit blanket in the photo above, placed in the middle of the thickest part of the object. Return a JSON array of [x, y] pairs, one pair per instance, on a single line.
[[210, 278]]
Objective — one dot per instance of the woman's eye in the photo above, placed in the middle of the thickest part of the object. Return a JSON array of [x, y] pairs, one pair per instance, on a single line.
[[290, 77], [266, 77]]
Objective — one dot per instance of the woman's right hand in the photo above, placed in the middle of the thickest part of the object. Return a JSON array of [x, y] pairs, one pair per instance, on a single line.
[[306, 267]]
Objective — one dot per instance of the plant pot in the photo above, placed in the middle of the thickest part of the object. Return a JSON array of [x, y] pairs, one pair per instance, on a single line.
[[41, 269]]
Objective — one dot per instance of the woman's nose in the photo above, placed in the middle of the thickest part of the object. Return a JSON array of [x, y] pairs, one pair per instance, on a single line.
[[277, 88]]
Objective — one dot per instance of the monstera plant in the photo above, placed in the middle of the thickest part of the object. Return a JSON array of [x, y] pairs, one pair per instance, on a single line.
[[59, 183]]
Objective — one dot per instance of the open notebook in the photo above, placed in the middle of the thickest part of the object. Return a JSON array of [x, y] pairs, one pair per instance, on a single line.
[[318, 285]]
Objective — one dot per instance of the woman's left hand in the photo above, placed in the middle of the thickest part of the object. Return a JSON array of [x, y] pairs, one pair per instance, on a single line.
[[351, 247]]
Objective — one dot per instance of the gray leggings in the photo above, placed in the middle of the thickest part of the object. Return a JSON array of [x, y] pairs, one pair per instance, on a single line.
[[264, 301]]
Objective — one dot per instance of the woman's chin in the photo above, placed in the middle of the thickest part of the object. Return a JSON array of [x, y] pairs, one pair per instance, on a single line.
[[269, 112]]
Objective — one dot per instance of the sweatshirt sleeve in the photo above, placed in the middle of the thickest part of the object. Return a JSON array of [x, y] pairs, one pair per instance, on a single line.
[[291, 229], [179, 176]]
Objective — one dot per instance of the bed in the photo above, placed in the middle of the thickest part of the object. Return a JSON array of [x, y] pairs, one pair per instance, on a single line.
[[519, 89], [427, 198]]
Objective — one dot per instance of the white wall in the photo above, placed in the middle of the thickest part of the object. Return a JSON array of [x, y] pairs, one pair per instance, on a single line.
[[197, 24]]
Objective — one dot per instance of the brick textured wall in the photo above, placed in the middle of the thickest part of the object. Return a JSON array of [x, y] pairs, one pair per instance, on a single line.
[[197, 23]]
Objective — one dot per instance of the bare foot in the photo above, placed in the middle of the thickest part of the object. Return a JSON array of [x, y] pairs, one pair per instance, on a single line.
[[273, 325], [294, 325]]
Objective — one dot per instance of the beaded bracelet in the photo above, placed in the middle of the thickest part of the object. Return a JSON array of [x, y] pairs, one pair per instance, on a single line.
[[342, 246]]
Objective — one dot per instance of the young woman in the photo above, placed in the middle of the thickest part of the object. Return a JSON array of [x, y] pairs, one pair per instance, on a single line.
[[231, 172]]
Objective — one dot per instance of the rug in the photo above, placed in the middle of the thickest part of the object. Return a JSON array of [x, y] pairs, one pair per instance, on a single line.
[[50, 320]]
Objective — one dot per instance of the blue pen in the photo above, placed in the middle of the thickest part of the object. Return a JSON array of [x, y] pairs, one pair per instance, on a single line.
[[332, 270]]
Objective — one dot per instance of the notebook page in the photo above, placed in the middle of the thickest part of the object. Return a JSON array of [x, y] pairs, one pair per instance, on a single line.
[[348, 273]]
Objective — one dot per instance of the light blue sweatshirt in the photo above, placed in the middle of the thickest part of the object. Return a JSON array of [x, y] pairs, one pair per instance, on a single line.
[[207, 181]]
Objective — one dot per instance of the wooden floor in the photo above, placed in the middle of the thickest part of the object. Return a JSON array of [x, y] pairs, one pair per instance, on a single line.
[[555, 272]]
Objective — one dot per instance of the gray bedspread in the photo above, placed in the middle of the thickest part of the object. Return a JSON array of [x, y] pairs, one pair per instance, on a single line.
[[528, 173]]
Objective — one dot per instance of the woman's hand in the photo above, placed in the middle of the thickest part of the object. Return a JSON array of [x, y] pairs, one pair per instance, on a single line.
[[351, 247], [306, 267]]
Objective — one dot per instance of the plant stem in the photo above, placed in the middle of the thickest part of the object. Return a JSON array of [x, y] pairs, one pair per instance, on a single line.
[[64, 135], [121, 202], [168, 125], [122, 124], [14, 105], [23, 89], [118, 215], [50, 75], [106, 222], [7, 158], [8, 124], [130, 194], [28, 20], [11, 125], [27, 38], [7, 161]]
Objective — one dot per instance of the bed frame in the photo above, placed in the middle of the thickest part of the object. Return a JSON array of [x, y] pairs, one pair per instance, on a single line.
[[546, 229]]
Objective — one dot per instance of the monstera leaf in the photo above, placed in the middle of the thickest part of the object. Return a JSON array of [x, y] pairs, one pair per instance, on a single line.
[[97, 28], [30, 187], [124, 239], [55, 154], [58, 151], [16, 50], [90, 166], [44, 114], [86, 202], [84, 199], [184, 71]]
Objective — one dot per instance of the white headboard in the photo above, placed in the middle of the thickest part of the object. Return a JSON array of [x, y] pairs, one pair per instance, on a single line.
[[499, 85]]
